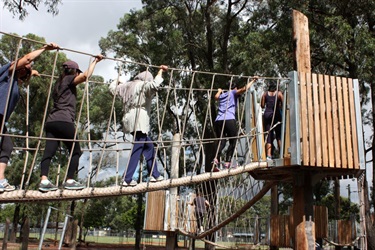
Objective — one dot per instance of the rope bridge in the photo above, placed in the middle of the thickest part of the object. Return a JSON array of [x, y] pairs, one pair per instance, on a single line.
[[181, 105]]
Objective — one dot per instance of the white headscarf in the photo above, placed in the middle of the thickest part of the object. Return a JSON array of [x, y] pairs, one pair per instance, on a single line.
[[128, 96]]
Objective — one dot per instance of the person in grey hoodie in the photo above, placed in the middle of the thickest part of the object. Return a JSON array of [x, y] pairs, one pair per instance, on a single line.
[[137, 96]]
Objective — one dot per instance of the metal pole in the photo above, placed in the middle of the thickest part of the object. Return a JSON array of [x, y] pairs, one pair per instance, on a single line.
[[44, 228], [63, 231], [294, 112]]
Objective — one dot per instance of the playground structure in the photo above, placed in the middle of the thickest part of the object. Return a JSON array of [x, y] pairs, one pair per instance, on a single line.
[[322, 139]]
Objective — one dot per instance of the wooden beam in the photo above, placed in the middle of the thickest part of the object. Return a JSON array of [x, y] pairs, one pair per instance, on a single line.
[[302, 182], [301, 42]]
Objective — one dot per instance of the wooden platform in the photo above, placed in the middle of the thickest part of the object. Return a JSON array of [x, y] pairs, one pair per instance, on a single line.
[[286, 173]]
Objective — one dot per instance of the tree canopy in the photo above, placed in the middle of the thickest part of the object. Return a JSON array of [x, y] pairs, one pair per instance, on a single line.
[[20, 8]]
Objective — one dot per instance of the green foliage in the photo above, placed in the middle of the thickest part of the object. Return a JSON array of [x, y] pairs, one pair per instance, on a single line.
[[6, 212], [260, 209], [323, 196], [117, 213], [346, 212], [20, 8]]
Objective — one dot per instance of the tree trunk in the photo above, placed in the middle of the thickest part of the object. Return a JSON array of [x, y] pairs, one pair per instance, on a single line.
[[80, 239], [16, 217], [337, 199], [370, 230], [25, 234]]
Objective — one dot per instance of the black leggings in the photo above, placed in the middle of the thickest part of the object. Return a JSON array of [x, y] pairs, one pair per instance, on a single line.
[[6, 144], [199, 216], [63, 130], [269, 121], [230, 130]]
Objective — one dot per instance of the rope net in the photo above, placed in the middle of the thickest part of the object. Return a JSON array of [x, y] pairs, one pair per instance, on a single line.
[[183, 106]]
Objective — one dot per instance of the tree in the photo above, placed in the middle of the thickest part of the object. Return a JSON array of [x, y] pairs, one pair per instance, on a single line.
[[19, 8], [7, 211]]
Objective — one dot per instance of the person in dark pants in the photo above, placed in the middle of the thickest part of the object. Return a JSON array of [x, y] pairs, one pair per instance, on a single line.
[[225, 123], [200, 204], [12, 74], [137, 96], [272, 100], [60, 123]]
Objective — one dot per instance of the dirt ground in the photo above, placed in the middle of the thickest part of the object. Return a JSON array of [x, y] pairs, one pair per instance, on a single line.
[[90, 246]]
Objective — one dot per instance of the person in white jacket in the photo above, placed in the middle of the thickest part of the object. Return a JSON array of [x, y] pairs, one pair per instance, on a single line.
[[137, 96]]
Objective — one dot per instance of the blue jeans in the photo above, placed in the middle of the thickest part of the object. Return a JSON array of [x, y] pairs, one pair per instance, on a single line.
[[143, 145]]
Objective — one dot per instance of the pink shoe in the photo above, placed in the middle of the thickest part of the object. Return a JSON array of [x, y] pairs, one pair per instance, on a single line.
[[216, 169], [227, 165]]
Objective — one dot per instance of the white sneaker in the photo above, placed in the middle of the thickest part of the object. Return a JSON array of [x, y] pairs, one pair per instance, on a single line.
[[133, 183], [153, 179], [5, 186]]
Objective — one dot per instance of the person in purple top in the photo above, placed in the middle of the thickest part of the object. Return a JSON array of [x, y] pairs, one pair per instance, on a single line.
[[272, 102], [225, 123], [60, 123], [12, 74]]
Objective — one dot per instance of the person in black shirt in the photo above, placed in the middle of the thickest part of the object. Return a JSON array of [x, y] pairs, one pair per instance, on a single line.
[[60, 123]]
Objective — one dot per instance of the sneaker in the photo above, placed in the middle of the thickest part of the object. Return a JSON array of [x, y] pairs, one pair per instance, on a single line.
[[75, 185], [6, 186], [153, 179], [133, 183], [47, 187], [269, 158]]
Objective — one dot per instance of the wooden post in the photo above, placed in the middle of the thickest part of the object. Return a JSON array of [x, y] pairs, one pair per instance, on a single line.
[[301, 42], [68, 232], [274, 201], [274, 208], [25, 234], [74, 235], [302, 199], [302, 189], [305, 235], [171, 233]]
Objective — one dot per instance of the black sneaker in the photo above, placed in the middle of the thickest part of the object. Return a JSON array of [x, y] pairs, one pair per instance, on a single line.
[[47, 187], [75, 185]]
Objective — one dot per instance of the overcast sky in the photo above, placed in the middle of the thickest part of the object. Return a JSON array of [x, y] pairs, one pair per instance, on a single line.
[[79, 26]]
